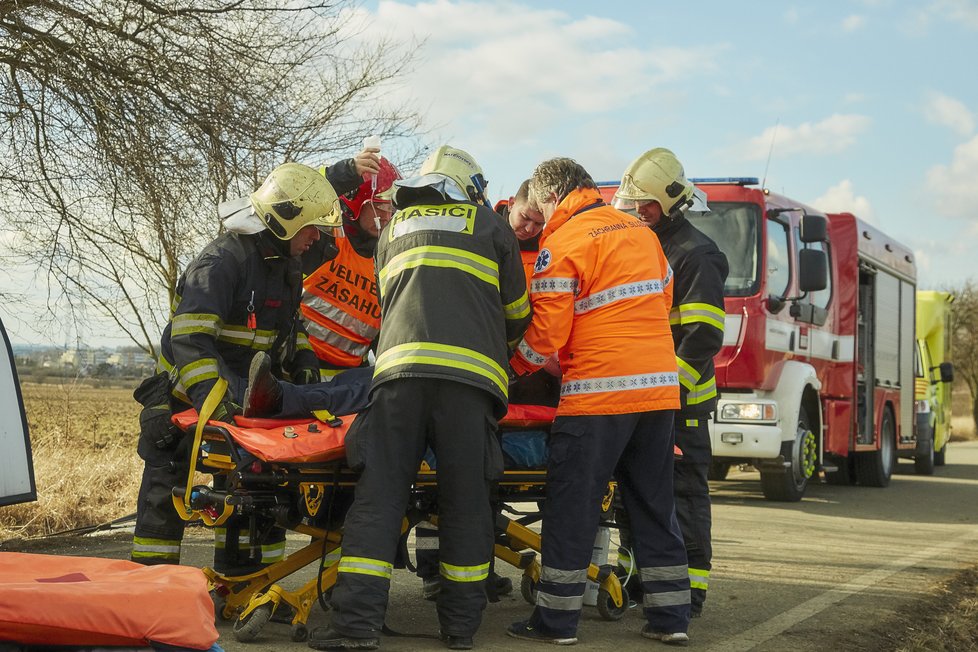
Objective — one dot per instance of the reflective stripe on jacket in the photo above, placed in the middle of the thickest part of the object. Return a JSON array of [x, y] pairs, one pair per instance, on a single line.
[[340, 307], [601, 301], [697, 316], [453, 295], [209, 334]]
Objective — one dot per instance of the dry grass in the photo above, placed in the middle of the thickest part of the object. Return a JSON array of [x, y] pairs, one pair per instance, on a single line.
[[944, 623], [85, 463], [962, 424]]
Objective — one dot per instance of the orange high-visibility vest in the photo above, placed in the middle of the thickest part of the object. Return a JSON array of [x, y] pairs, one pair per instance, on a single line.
[[529, 259], [340, 307], [601, 293]]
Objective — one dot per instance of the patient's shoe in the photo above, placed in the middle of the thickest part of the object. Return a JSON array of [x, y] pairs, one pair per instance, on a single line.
[[327, 638], [263, 397]]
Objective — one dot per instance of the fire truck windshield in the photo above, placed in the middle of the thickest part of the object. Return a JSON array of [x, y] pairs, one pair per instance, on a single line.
[[735, 227]]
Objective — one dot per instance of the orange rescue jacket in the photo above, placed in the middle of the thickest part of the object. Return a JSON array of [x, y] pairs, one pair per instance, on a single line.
[[340, 307], [601, 293]]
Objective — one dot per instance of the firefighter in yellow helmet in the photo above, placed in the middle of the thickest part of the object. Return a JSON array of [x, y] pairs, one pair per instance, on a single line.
[[655, 189], [238, 296], [454, 300]]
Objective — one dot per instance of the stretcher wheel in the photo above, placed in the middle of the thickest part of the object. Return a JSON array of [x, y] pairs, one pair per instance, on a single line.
[[528, 589], [606, 605], [249, 626], [300, 632]]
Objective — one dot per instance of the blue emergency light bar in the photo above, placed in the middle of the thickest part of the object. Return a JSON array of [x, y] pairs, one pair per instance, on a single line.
[[740, 181]]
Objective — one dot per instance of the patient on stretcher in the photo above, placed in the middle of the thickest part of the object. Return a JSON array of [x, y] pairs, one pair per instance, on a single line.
[[266, 396]]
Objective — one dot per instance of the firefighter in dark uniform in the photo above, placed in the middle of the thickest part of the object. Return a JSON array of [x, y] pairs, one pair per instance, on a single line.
[[239, 296], [655, 188], [454, 301]]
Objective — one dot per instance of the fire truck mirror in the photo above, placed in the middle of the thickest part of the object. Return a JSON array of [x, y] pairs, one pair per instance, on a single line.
[[813, 228], [812, 270]]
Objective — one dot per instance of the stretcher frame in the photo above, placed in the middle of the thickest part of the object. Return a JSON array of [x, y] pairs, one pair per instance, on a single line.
[[256, 488]]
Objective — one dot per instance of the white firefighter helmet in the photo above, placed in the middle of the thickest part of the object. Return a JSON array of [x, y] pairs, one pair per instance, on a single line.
[[657, 175], [295, 196], [451, 171]]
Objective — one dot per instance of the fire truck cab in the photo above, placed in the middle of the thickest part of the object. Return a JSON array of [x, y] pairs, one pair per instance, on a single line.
[[816, 372]]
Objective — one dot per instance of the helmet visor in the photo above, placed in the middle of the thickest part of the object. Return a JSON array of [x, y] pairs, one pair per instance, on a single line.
[[630, 206]]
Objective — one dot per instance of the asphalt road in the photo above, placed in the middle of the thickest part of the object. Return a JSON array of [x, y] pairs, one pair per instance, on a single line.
[[814, 575]]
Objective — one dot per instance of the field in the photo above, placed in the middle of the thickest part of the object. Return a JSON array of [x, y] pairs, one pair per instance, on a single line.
[[83, 440], [962, 425]]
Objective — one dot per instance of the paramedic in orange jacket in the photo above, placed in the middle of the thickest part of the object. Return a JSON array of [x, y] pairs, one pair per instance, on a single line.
[[601, 293]]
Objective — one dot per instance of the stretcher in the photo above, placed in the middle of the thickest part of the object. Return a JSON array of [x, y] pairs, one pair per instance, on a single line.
[[294, 472]]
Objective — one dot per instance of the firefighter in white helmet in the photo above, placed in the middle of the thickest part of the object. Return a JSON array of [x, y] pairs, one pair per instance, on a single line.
[[655, 189], [454, 300], [240, 295]]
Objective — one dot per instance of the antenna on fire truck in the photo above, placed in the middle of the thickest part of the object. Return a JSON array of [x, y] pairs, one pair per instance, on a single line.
[[770, 151]]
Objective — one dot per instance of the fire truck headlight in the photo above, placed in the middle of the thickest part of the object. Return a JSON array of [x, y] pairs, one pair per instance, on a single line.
[[754, 412]]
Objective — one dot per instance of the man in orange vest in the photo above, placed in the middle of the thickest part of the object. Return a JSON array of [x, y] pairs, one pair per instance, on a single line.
[[527, 223], [340, 305], [601, 293]]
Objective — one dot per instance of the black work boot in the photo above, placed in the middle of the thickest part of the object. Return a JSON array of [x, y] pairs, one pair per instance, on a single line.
[[264, 396], [327, 638]]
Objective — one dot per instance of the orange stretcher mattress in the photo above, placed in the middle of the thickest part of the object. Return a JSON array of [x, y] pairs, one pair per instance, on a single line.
[[305, 440], [278, 440], [87, 601]]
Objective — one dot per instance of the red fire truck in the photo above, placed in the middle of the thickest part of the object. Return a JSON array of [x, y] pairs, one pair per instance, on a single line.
[[816, 372]]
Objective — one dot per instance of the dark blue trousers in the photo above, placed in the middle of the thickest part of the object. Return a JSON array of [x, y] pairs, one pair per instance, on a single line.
[[585, 451]]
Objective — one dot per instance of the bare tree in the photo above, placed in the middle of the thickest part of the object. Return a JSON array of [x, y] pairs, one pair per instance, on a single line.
[[964, 346], [124, 123]]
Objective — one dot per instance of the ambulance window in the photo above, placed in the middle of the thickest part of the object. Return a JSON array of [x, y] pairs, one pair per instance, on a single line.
[[778, 271]]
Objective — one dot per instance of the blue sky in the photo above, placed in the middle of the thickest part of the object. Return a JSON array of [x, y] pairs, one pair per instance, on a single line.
[[872, 105]]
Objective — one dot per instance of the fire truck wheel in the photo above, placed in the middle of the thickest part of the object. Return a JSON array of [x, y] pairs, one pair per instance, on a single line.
[[873, 469], [939, 456], [718, 470], [788, 484]]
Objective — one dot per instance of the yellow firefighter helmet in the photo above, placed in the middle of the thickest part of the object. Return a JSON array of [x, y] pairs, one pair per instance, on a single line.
[[295, 196], [451, 171], [657, 175]]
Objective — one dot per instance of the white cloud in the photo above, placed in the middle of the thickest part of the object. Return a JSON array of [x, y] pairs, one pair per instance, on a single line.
[[830, 136], [962, 12], [953, 186], [841, 198], [507, 71], [853, 22], [948, 112]]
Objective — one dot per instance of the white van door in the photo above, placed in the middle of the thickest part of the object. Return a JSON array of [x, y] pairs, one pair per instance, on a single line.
[[16, 464]]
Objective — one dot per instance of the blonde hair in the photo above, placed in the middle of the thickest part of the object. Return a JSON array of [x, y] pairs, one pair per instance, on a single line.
[[558, 176]]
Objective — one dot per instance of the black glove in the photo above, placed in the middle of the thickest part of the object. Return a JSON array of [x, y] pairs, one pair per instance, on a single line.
[[305, 376], [226, 410]]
